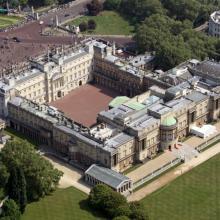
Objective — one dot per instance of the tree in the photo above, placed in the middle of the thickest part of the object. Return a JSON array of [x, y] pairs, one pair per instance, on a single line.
[[10, 210], [83, 26], [13, 185], [94, 7], [112, 4], [182, 9], [138, 211], [41, 177], [140, 9], [4, 175], [121, 218], [23, 192], [122, 210], [91, 24], [171, 53], [16, 187], [103, 198], [23, 2]]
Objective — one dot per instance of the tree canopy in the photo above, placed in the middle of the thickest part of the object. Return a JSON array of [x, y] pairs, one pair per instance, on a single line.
[[40, 176], [10, 210], [173, 41], [114, 205]]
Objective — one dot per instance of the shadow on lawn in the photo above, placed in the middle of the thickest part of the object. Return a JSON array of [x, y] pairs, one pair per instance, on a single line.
[[85, 206]]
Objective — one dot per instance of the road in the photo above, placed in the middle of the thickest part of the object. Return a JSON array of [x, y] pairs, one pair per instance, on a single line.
[[173, 174], [33, 43]]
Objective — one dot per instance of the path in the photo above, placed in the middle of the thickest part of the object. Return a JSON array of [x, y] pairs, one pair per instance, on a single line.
[[151, 166], [71, 175], [173, 174]]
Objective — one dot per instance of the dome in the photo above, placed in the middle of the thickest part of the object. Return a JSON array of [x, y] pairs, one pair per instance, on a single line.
[[169, 121]]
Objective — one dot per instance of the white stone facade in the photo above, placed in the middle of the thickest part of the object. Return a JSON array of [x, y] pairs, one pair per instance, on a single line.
[[214, 24]]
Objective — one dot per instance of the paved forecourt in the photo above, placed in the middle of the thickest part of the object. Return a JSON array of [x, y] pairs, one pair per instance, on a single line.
[[84, 103]]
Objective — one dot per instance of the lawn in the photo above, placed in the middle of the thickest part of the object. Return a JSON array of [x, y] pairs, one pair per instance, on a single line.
[[64, 204], [195, 195], [108, 23], [6, 20]]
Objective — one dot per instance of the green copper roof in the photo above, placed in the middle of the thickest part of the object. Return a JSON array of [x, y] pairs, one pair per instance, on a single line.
[[169, 121], [135, 105], [118, 101]]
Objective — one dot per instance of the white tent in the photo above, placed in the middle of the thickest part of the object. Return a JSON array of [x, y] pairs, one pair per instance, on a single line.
[[204, 131]]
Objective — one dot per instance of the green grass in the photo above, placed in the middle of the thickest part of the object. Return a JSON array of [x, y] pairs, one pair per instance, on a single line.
[[6, 21], [108, 23], [195, 195], [63, 204]]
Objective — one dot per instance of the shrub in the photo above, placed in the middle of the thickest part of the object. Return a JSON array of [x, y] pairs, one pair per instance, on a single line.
[[10, 210], [91, 24], [83, 26]]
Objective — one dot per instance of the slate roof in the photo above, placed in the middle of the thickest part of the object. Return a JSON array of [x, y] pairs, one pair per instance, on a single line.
[[106, 176], [196, 96], [209, 68]]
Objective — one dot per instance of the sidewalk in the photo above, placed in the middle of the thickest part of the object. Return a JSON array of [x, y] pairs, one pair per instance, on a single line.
[[170, 176], [151, 166]]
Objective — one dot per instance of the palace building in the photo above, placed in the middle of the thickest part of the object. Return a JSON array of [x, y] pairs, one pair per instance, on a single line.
[[155, 110]]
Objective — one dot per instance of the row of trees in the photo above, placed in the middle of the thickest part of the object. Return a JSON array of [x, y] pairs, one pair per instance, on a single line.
[[166, 27], [174, 41], [196, 11], [114, 205], [25, 176]]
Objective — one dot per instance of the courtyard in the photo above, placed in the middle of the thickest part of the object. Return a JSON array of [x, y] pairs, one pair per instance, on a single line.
[[84, 103]]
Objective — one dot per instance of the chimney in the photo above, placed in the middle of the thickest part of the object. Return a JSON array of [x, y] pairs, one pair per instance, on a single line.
[[113, 48], [32, 9], [56, 21], [48, 55]]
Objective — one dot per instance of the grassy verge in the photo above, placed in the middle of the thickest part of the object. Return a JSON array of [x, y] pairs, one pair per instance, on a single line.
[[194, 195], [63, 204], [6, 21], [108, 23]]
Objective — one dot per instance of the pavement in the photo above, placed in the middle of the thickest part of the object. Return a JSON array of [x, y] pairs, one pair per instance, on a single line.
[[84, 103], [151, 166], [173, 174], [71, 175], [32, 43]]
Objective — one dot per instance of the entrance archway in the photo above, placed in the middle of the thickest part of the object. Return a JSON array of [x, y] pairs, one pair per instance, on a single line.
[[80, 82]]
